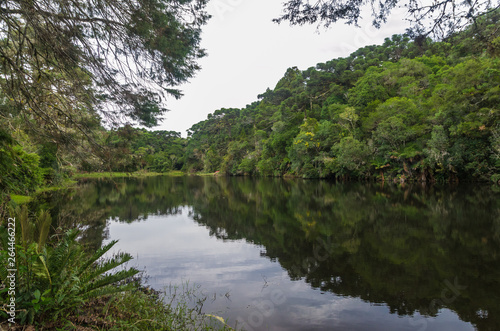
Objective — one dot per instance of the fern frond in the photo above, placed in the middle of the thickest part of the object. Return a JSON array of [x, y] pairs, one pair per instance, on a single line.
[[27, 228], [43, 224], [46, 273], [96, 256], [108, 280], [108, 265], [66, 252]]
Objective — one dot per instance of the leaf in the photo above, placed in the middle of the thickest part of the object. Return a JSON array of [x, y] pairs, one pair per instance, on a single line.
[[37, 295]]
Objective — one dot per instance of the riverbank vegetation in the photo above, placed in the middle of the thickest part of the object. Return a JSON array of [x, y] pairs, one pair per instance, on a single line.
[[419, 110], [405, 110]]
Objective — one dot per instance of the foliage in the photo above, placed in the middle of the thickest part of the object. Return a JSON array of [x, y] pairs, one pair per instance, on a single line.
[[67, 69], [350, 157], [20, 170], [125, 51], [402, 110], [128, 149], [52, 281]]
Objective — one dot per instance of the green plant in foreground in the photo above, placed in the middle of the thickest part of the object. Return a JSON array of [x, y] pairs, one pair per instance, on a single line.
[[53, 281]]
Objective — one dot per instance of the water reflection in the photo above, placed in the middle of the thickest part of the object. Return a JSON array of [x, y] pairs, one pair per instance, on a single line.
[[384, 256]]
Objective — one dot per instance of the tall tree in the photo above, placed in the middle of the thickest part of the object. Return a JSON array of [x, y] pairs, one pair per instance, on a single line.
[[65, 64]]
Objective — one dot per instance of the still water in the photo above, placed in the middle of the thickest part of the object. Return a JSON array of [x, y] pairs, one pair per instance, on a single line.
[[273, 254]]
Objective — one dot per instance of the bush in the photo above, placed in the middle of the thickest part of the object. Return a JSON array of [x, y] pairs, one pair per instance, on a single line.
[[20, 171], [27, 174]]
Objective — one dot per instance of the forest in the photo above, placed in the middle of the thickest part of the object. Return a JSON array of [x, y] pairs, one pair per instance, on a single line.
[[82, 84], [406, 110]]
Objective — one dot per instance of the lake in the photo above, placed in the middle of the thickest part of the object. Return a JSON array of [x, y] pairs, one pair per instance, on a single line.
[[279, 254]]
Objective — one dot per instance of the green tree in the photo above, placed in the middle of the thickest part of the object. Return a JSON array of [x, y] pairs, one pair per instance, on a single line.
[[392, 132], [438, 145], [65, 62], [348, 119], [351, 157], [20, 171]]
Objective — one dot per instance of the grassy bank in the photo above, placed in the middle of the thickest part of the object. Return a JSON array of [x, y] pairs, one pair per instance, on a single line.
[[140, 174], [67, 183], [136, 310], [204, 174], [22, 199], [136, 174]]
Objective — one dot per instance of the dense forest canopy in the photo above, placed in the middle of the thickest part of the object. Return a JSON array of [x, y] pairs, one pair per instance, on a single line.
[[409, 110]]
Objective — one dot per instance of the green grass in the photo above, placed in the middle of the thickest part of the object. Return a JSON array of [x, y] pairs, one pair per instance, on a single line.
[[137, 174], [204, 174], [115, 174], [20, 199], [175, 173], [64, 185], [145, 309]]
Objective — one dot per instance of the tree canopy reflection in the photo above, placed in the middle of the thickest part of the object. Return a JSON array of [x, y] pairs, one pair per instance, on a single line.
[[414, 248]]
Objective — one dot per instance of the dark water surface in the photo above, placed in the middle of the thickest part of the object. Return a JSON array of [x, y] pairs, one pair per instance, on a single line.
[[273, 254]]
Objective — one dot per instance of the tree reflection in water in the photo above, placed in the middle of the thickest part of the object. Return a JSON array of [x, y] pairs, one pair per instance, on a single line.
[[415, 248]]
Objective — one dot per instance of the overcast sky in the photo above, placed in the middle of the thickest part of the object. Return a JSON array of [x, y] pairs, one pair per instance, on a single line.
[[248, 53]]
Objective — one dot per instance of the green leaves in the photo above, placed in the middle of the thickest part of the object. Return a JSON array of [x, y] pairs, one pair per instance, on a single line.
[[54, 280], [68, 65], [350, 157]]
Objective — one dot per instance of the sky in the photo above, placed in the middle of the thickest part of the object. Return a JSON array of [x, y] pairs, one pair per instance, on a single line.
[[247, 53]]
